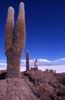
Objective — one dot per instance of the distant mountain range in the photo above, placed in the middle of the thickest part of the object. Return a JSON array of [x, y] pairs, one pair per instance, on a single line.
[[41, 62], [58, 65], [45, 62]]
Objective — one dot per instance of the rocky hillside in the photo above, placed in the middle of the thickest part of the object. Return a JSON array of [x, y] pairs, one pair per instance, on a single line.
[[33, 85]]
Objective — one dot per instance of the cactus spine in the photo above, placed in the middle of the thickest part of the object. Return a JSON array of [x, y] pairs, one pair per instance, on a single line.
[[14, 40]]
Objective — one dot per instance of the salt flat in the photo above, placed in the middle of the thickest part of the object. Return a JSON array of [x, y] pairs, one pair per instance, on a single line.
[[58, 68]]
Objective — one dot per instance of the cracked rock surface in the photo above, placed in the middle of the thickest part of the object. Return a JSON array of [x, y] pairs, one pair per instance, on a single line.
[[33, 85], [15, 89]]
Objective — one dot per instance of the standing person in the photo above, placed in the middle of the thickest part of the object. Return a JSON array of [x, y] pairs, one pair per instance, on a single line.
[[36, 64]]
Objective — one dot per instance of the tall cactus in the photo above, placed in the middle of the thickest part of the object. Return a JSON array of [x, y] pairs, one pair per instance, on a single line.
[[14, 40], [9, 29], [20, 30], [27, 60]]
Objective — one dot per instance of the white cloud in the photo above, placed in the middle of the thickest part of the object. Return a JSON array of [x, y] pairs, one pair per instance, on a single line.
[[3, 64], [58, 65], [44, 60], [60, 61]]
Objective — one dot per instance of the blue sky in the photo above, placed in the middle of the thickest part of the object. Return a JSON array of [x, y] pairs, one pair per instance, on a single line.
[[45, 27]]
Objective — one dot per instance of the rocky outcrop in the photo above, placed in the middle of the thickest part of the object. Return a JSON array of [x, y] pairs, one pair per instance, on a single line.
[[33, 85], [47, 85], [15, 89]]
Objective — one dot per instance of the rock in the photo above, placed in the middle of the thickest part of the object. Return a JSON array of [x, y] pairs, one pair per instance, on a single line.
[[46, 92], [32, 85], [15, 89], [39, 76]]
